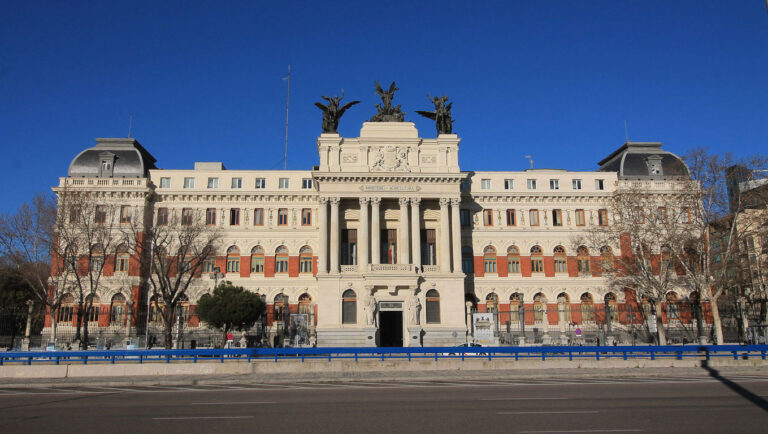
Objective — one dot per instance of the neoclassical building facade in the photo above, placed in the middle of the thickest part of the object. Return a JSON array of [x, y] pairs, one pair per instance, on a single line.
[[386, 242]]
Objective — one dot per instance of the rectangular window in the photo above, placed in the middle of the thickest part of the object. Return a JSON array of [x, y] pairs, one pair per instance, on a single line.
[[599, 184], [560, 265], [189, 182], [537, 265], [125, 214], [577, 184], [162, 216], [533, 217], [531, 184], [282, 216], [186, 216], [661, 215], [101, 214], [509, 184], [465, 218], [233, 264], [213, 182], [602, 217], [121, 263], [580, 217], [348, 246], [685, 215], [511, 221], [485, 184], [488, 217], [234, 216], [554, 184], [165, 182], [428, 243], [306, 217], [210, 216], [306, 183], [258, 217], [261, 183], [639, 215], [237, 182], [557, 217], [513, 265], [305, 264], [283, 183], [257, 264]]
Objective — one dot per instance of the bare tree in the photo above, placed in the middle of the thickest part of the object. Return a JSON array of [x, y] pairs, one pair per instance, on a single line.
[[28, 242], [173, 251]]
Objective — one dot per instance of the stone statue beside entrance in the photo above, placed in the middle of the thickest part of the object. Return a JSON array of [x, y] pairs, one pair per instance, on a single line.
[[370, 310], [414, 309]]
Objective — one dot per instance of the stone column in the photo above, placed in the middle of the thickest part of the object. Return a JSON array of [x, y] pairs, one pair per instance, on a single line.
[[375, 231], [322, 254], [416, 232], [456, 234], [402, 239], [335, 235], [445, 237], [362, 240]]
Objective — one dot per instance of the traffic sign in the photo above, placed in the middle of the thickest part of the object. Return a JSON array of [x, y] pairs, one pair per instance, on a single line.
[[578, 331], [230, 336]]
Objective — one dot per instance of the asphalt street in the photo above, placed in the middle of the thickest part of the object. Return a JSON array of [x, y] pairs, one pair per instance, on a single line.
[[700, 404]]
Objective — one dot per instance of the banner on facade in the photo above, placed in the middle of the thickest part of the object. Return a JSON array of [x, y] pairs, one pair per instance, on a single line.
[[482, 324]]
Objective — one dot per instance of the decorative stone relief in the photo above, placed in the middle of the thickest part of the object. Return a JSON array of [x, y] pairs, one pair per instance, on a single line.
[[349, 158], [428, 159], [390, 159]]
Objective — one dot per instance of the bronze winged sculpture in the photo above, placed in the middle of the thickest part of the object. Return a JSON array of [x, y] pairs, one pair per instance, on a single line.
[[332, 112], [386, 112], [441, 115]]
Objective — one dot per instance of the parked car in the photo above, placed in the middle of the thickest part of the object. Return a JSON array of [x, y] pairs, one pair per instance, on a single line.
[[467, 349]]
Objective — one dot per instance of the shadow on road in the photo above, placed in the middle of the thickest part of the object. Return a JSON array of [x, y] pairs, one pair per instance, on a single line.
[[749, 396]]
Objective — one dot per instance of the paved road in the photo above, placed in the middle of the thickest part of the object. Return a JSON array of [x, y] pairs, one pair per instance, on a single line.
[[581, 405]]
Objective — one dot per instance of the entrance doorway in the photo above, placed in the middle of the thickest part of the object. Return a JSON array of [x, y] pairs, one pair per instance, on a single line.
[[391, 328]]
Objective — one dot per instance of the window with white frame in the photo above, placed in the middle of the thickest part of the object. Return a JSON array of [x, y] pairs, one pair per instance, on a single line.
[[554, 184], [283, 183], [237, 182], [509, 184], [165, 182], [485, 184], [531, 184], [599, 184], [261, 183], [189, 182], [577, 184], [213, 182], [306, 183]]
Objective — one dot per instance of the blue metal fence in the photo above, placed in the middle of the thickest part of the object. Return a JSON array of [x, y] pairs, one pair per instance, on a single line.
[[435, 353]]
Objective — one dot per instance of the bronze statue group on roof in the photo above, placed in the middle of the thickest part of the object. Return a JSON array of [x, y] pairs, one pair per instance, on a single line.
[[386, 112]]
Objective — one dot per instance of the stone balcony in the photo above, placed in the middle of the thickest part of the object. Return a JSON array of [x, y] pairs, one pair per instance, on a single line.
[[103, 182]]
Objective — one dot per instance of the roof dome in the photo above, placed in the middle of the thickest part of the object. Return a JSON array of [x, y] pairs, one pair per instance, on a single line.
[[644, 160], [112, 158]]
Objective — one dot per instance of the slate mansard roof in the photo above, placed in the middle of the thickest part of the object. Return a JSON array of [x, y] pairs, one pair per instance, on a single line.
[[128, 158], [644, 160]]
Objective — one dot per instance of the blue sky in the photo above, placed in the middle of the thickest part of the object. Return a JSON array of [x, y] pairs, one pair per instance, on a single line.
[[203, 80]]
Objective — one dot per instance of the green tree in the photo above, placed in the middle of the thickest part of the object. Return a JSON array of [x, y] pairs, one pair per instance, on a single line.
[[230, 308]]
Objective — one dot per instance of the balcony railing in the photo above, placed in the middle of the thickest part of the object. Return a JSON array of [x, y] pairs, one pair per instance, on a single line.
[[111, 182], [430, 268], [349, 268], [389, 268]]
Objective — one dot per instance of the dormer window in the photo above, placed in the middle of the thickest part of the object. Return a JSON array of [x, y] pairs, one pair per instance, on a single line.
[[654, 165], [107, 164]]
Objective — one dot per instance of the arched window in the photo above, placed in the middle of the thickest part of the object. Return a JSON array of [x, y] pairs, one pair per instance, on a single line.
[[606, 259], [489, 259], [305, 304], [587, 307], [672, 306], [537, 260], [156, 308], [513, 259], [305, 259], [563, 308], [66, 308], [182, 308], [515, 306], [121, 259], [257, 260], [92, 301], [539, 303], [561, 265], [97, 258], [582, 259], [433, 306], [491, 302], [611, 307], [281, 259], [280, 308], [233, 260], [467, 260], [349, 307], [117, 310]]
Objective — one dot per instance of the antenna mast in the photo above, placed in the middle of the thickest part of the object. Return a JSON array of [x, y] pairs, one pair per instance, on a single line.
[[287, 102], [130, 124], [626, 132]]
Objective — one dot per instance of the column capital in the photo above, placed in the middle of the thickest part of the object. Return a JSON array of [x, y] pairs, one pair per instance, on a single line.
[[455, 201], [444, 201], [335, 200], [403, 201], [376, 201], [415, 202], [364, 200], [323, 200]]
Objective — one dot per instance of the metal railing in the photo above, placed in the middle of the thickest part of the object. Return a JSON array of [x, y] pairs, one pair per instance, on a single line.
[[701, 352]]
